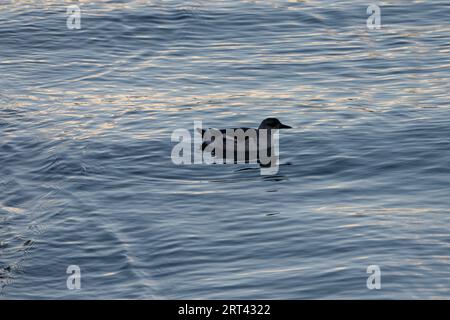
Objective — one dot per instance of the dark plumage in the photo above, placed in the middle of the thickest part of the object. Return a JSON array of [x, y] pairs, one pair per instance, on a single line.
[[268, 124]]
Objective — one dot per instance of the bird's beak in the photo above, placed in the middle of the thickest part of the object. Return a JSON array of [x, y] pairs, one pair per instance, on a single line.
[[283, 126]]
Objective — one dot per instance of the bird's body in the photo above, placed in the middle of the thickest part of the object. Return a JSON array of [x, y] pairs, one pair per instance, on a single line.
[[258, 142]]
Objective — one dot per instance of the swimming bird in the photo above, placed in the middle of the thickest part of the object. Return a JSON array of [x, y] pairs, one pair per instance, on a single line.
[[254, 141]]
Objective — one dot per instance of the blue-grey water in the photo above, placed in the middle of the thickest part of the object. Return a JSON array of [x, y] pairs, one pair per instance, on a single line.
[[86, 176]]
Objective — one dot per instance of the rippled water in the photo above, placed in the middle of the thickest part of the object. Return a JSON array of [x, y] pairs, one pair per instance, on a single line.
[[86, 176]]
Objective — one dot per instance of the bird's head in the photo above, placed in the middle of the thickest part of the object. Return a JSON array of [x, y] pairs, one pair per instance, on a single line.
[[273, 123]]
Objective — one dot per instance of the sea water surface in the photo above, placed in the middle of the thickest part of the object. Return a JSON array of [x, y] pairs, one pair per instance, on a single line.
[[87, 179]]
